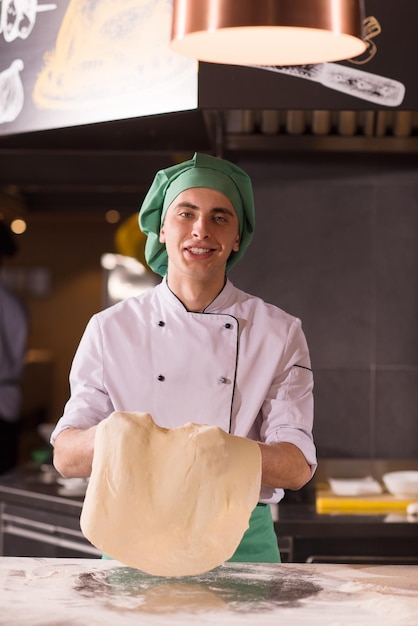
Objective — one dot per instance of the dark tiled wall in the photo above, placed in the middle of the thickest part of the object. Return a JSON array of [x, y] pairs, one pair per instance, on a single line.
[[337, 245]]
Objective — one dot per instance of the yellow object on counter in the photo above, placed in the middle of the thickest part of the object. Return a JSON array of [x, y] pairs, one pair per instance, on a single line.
[[327, 502]]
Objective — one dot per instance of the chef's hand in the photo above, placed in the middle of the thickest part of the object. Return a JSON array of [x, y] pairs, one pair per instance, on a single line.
[[73, 452], [283, 465]]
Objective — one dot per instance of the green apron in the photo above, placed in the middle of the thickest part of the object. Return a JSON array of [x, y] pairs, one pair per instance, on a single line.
[[259, 543]]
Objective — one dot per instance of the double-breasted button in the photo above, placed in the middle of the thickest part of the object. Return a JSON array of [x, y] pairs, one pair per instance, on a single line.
[[161, 323], [161, 378], [228, 325], [223, 380]]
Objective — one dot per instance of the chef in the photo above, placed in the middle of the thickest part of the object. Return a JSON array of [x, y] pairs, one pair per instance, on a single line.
[[197, 349]]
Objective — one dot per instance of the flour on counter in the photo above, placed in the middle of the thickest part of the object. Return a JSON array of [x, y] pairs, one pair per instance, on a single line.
[[76, 592]]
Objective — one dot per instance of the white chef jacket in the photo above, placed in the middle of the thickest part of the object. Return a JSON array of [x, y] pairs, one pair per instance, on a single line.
[[242, 365], [13, 337]]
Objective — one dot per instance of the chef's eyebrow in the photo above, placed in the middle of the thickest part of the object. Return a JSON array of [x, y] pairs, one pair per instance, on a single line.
[[190, 205]]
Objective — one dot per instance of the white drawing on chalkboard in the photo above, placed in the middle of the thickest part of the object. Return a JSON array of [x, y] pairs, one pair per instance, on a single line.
[[18, 17], [354, 82], [11, 92]]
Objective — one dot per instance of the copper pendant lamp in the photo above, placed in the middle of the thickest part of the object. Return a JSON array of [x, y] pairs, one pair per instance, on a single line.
[[268, 32]]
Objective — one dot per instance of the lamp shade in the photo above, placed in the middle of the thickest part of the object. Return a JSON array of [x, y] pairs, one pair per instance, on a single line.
[[268, 32]]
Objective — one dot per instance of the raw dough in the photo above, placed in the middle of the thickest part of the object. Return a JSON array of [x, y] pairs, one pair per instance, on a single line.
[[170, 502]]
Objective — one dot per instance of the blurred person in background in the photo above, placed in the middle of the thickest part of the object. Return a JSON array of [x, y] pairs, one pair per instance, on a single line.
[[13, 339]]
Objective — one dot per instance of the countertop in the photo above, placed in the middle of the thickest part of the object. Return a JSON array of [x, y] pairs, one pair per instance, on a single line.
[[298, 524], [75, 592]]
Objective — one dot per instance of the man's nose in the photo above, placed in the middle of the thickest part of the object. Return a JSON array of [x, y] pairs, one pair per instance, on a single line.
[[200, 227]]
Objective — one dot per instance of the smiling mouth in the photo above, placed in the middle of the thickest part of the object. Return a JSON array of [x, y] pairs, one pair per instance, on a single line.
[[200, 251]]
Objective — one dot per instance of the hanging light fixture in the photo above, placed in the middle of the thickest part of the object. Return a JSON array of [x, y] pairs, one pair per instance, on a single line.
[[268, 32]]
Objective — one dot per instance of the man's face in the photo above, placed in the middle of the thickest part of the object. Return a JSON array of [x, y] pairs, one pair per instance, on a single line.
[[200, 231]]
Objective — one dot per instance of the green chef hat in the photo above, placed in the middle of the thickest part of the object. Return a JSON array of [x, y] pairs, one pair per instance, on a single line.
[[200, 171]]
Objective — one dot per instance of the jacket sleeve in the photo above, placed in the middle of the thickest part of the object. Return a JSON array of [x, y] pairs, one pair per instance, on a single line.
[[89, 402], [289, 405]]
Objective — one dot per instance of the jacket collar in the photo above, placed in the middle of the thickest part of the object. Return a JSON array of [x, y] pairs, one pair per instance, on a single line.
[[218, 305]]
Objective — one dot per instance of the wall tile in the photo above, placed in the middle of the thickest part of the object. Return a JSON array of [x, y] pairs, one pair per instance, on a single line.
[[342, 423], [396, 414], [397, 275]]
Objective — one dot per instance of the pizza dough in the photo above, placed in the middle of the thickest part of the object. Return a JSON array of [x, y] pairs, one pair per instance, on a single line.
[[170, 502]]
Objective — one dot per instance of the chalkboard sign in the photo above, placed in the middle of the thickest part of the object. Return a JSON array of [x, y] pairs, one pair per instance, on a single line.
[[71, 62]]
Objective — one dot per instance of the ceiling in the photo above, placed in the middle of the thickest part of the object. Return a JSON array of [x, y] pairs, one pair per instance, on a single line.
[[110, 165]]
